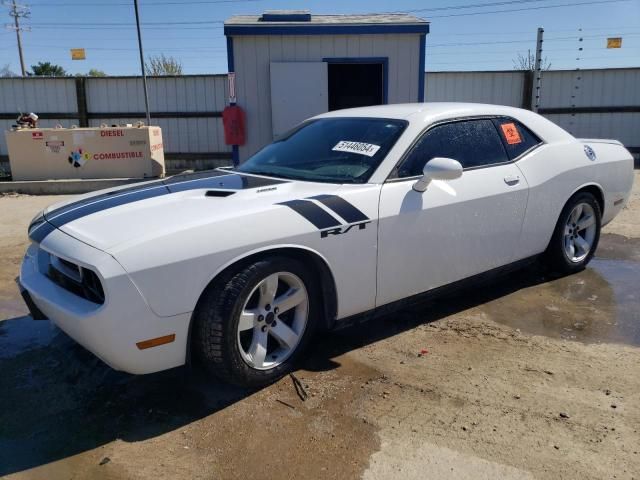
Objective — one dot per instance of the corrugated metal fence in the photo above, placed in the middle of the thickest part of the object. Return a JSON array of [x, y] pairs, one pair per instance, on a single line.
[[588, 103], [188, 108]]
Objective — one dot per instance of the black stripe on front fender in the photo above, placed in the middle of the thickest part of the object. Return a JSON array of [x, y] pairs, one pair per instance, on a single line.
[[313, 213], [343, 208]]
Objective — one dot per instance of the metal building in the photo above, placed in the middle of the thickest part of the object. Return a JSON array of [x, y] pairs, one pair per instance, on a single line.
[[290, 65]]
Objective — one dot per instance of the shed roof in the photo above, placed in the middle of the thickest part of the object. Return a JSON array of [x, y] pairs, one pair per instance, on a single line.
[[368, 19], [298, 22]]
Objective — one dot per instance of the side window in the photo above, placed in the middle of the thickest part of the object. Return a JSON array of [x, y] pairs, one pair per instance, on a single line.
[[516, 138], [474, 143]]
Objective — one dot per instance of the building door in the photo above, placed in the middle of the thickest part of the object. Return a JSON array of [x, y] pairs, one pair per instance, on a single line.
[[356, 84], [298, 91]]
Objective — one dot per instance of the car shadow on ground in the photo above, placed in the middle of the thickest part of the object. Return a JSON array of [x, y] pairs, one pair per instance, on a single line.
[[59, 400]]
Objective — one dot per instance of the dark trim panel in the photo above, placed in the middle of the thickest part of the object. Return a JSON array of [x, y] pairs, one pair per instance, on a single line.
[[316, 29], [286, 17], [44, 116], [199, 156], [81, 101], [615, 109], [207, 114], [93, 115]]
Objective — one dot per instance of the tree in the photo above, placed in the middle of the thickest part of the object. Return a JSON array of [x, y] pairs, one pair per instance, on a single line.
[[528, 62], [6, 71], [159, 65], [47, 69], [94, 72]]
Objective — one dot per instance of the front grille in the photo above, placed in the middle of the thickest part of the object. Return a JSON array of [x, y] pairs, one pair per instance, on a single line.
[[76, 279]]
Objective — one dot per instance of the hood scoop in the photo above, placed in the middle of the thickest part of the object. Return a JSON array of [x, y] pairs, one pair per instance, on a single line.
[[219, 193]]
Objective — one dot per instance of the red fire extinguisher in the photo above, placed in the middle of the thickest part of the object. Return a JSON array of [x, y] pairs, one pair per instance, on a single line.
[[234, 125]]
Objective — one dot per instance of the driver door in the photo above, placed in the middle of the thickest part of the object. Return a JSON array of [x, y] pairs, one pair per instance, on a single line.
[[456, 228]]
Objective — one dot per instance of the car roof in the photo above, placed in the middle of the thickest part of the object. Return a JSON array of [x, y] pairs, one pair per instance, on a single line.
[[430, 112], [407, 110]]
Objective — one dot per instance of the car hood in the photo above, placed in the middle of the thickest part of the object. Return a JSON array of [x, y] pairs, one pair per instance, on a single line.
[[112, 219]]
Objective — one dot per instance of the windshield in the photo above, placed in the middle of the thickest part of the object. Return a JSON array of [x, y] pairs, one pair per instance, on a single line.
[[335, 150]]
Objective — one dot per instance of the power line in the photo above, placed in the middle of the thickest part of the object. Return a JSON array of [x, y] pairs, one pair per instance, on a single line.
[[529, 8], [498, 42], [472, 5], [219, 21]]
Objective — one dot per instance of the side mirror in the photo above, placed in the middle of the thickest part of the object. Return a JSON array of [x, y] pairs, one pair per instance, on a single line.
[[438, 168]]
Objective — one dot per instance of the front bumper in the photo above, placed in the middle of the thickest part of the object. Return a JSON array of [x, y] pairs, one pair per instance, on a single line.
[[34, 311], [112, 329]]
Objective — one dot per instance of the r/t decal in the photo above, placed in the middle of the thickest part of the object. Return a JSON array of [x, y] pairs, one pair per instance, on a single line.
[[330, 214], [343, 230]]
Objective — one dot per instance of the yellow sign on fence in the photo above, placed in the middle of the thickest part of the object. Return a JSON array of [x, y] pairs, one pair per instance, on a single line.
[[614, 42], [77, 54]]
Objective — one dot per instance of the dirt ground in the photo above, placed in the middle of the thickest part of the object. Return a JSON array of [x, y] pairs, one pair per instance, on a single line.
[[526, 377]]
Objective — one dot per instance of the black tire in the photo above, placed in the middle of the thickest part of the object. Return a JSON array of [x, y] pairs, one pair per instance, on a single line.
[[217, 315], [555, 256]]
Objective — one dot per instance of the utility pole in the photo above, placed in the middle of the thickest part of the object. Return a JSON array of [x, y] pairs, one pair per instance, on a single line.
[[144, 74], [17, 12], [538, 70]]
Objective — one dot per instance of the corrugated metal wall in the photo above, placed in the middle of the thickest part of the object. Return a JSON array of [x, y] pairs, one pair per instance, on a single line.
[[254, 54], [38, 94], [194, 132], [50, 95], [170, 94], [574, 93], [583, 89], [110, 99], [588, 88], [501, 88]]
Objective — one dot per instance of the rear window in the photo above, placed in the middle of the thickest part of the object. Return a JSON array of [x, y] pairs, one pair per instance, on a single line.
[[517, 138]]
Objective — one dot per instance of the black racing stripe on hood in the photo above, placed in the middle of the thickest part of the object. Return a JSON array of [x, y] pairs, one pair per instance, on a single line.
[[230, 181], [217, 179], [37, 232], [104, 204]]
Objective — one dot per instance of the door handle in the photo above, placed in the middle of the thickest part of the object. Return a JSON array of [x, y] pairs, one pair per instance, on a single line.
[[512, 180]]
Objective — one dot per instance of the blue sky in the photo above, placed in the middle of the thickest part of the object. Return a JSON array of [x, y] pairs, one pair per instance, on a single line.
[[460, 38]]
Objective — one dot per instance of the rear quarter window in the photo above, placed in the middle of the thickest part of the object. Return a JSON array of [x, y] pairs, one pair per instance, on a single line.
[[516, 138]]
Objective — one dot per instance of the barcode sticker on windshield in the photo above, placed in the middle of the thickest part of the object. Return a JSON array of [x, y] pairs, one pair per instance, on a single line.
[[362, 148]]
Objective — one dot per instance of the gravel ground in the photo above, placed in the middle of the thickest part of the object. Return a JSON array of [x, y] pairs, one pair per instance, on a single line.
[[526, 377]]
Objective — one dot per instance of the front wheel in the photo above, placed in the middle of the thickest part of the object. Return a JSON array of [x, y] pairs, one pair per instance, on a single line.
[[576, 235], [251, 327]]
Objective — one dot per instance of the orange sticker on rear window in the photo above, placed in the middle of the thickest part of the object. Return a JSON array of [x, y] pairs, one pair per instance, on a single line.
[[511, 133]]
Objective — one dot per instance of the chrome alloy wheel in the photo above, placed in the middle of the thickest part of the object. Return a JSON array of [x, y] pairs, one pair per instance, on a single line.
[[579, 232], [273, 320]]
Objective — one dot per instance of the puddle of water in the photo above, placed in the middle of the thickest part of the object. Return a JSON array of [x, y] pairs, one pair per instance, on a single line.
[[21, 334], [599, 304]]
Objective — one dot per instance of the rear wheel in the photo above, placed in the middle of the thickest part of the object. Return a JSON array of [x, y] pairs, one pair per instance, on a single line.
[[576, 235], [252, 325]]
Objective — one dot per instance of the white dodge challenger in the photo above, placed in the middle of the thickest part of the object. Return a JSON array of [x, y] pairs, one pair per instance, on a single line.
[[351, 213]]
